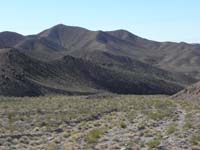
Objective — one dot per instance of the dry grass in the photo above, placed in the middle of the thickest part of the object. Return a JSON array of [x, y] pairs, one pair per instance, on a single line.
[[92, 122]]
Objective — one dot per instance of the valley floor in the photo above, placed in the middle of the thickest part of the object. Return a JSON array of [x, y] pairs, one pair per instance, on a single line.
[[99, 122]]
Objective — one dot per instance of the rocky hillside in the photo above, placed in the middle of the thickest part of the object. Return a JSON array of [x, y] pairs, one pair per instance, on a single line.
[[74, 60], [189, 93]]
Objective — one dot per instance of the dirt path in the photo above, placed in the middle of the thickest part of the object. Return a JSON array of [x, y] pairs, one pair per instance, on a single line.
[[177, 140], [181, 119], [121, 138]]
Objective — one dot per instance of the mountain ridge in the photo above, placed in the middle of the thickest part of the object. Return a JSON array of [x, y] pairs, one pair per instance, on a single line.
[[132, 65]]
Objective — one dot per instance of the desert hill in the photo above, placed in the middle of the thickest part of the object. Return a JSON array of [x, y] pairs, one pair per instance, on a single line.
[[190, 93], [74, 60]]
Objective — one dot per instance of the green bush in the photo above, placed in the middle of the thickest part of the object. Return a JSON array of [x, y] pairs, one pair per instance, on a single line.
[[195, 140], [171, 128], [153, 143], [94, 135]]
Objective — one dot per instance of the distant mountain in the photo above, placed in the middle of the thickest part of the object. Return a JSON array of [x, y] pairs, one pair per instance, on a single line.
[[175, 57], [9, 39], [74, 60]]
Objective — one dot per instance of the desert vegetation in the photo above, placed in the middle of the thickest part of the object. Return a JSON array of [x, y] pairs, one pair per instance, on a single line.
[[124, 122]]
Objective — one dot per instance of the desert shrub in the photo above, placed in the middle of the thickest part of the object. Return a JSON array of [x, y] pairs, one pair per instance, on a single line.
[[195, 139], [153, 143], [94, 135], [171, 128]]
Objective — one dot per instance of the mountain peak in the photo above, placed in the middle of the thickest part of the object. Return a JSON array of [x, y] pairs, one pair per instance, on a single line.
[[121, 33], [9, 33], [60, 26], [61, 29], [9, 39]]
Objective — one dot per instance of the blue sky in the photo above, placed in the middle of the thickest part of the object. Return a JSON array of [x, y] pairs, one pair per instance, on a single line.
[[162, 20]]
